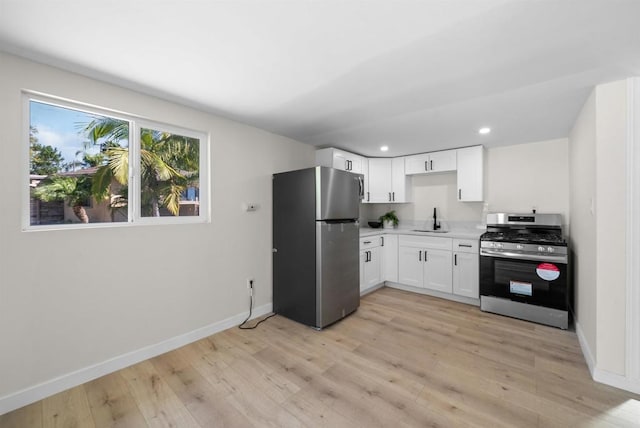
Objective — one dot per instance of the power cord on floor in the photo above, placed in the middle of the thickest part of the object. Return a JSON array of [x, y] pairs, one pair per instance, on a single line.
[[241, 326]]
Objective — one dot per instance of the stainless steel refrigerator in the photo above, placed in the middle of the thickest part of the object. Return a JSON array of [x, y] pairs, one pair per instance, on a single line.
[[315, 244]]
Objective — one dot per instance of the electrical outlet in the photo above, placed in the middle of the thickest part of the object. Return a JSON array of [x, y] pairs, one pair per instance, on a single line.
[[250, 282]]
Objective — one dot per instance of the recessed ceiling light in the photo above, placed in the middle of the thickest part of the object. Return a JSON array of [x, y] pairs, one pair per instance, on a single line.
[[484, 130], [384, 148]]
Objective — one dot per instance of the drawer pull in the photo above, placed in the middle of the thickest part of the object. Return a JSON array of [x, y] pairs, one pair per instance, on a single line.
[[367, 242], [465, 245]]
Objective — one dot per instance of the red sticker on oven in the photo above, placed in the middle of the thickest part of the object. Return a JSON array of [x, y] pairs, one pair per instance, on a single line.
[[548, 271]]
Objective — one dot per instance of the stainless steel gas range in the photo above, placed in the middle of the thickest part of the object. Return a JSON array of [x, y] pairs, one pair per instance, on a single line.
[[524, 268]]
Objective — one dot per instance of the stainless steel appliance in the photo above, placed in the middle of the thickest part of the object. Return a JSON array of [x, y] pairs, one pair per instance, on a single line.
[[524, 268], [315, 244]]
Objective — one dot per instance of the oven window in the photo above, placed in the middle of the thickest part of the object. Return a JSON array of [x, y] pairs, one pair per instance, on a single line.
[[508, 272], [519, 280]]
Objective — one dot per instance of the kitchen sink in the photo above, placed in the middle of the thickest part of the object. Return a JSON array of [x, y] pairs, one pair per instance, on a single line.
[[430, 230]]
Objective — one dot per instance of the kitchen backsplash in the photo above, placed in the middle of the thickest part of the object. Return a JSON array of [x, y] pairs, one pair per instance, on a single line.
[[429, 191]]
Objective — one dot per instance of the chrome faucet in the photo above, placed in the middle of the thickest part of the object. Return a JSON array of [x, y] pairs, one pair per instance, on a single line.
[[436, 226]]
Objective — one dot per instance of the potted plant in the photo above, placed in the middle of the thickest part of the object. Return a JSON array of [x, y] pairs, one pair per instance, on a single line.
[[389, 220]]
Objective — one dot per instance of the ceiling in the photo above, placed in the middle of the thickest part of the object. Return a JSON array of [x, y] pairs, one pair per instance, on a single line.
[[416, 75]]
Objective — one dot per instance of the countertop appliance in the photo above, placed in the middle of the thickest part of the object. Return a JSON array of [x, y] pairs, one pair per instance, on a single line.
[[316, 278], [524, 268]]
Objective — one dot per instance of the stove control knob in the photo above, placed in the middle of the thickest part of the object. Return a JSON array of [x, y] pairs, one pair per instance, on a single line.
[[550, 249], [541, 249]]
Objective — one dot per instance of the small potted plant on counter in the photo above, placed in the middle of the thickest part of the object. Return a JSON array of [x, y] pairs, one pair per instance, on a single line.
[[389, 220]]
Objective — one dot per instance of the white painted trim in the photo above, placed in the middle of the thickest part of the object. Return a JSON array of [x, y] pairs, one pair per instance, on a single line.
[[633, 232], [586, 350], [53, 386], [617, 381], [135, 123]]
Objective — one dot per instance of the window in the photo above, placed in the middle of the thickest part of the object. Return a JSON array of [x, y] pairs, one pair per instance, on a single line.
[[89, 166]]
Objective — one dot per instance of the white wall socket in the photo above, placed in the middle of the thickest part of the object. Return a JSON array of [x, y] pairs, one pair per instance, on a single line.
[[250, 206]]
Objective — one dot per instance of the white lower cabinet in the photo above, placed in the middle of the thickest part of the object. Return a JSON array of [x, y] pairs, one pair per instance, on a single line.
[[390, 258], [446, 265], [410, 266], [437, 272], [466, 268], [371, 261], [425, 262]]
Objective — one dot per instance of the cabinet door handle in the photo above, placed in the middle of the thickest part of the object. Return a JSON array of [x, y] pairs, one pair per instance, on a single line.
[[382, 241], [369, 252], [425, 256], [459, 193], [431, 165], [368, 197], [426, 166], [455, 260], [389, 196], [420, 255], [393, 196]]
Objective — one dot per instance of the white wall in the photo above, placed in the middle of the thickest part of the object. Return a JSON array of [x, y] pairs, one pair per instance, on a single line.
[[611, 128], [582, 165], [73, 298], [517, 178], [598, 236], [524, 176]]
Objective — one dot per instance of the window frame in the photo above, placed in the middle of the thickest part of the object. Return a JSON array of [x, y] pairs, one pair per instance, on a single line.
[[136, 123]]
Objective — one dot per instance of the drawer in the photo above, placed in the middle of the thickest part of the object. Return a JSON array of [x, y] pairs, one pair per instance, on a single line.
[[431, 242], [371, 242], [465, 246]]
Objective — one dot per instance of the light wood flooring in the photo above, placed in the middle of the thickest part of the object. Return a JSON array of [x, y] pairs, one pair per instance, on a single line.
[[402, 360]]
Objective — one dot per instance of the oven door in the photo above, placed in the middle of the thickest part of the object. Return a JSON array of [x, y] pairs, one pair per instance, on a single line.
[[534, 282]]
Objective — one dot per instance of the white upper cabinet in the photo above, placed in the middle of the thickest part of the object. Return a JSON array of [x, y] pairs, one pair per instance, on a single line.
[[340, 159], [379, 180], [387, 181], [431, 162], [470, 174]]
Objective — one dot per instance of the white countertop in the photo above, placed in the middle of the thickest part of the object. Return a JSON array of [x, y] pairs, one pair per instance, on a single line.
[[458, 233]]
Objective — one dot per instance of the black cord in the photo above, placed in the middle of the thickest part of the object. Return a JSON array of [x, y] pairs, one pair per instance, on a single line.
[[250, 311]]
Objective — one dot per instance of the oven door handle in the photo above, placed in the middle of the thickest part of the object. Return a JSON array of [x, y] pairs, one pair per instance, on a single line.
[[509, 255]]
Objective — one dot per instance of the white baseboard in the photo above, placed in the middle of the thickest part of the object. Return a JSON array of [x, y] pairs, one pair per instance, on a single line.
[[604, 376], [617, 381], [586, 350], [45, 389]]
